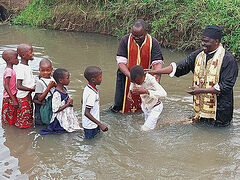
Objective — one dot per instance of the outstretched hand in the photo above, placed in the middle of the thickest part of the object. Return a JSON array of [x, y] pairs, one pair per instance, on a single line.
[[150, 71], [194, 90]]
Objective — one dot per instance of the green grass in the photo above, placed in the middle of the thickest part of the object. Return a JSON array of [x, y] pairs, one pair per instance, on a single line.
[[175, 23]]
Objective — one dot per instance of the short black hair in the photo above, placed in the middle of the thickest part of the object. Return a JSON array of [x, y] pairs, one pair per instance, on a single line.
[[139, 23], [91, 72], [136, 71], [45, 62], [59, 74]]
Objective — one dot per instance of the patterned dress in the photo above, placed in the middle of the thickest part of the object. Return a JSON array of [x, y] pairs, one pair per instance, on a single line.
[[63, 121]]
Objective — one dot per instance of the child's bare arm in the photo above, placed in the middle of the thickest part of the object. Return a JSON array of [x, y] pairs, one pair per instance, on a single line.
[[36, 101], [89, 116], [43, 95], [23, 88], [6, 86]]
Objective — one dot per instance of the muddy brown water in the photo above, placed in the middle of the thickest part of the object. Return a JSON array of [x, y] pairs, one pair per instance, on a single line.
[[172, 151]]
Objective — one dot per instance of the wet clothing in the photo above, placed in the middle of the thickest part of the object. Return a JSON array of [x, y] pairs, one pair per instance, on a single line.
[[122, 53], [37, 115], [151, 116], [46, 109], [156, 91], [91, 100], [9, 113], [63, 121], [151, 103], [25, 112], [227, 79], [91, 133]]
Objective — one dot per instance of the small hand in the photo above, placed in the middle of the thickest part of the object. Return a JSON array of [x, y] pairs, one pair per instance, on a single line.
[[15, 103], [138, 91], [103, 127], [194, 90], [51, 84], [129, 97], [43, 102], [33, 89], [70, 102]]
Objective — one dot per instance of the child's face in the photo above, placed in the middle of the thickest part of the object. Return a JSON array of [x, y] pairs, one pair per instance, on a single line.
[[139, 79], [46, 71], [98, 79], [14, 59], [28, 55], [66, 80]]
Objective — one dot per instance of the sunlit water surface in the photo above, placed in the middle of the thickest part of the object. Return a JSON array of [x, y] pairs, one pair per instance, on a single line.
[[172, 151]]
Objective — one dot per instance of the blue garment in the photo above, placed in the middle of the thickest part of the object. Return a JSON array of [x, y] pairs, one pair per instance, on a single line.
[[91, 133], [55, 127], [37, 116]]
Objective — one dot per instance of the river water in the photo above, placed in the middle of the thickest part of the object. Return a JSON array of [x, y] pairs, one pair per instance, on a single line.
[[172, 151]]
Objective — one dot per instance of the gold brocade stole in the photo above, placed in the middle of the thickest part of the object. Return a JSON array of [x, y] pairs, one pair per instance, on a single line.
[[206, 77], [136, 56]]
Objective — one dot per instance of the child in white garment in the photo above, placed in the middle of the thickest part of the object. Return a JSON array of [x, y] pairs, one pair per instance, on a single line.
[[150, 92]]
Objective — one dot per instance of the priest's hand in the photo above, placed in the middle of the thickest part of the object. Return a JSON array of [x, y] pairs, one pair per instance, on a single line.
[[194, 90]]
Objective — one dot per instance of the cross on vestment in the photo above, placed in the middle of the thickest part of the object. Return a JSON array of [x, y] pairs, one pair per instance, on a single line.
[[133, 109]]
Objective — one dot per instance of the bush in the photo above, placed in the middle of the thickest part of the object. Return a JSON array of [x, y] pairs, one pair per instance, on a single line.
[[175, 23]]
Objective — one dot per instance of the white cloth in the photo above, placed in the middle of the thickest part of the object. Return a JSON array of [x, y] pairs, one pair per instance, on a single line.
[[66, 117], [41, 87], [155, 90], [24, 73], [151, 116], [157, 62], [90, 100]]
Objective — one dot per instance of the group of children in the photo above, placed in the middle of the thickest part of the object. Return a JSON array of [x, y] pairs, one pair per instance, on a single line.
[[54, 107]]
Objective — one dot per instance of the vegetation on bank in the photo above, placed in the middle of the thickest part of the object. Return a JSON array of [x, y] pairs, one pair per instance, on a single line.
[[175, 23]]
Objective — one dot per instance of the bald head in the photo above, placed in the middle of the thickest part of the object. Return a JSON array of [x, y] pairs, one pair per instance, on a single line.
[[92, 72], [139, 23], [8, 54], [45, 63], [23, 48]]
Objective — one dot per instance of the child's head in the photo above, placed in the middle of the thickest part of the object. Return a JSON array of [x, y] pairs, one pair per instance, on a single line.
[[45, 68], [93, 74], [137, 74], [25, 51], [61, 76], [10, 56]]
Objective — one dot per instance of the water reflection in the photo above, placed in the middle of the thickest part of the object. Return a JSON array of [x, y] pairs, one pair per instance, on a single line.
[[172, 151]]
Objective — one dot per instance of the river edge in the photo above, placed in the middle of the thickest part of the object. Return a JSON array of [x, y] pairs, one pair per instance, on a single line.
[[173, 24]]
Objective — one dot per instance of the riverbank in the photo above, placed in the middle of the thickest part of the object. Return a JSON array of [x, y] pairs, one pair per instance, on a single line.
[[176, 24]]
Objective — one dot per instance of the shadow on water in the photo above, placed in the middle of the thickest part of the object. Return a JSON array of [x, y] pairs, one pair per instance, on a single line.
[[172, 151]]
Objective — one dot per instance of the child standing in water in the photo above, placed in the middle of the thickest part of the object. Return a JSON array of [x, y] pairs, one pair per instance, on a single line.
[[63, 118], [25, 86], [90, 107], [44, 92], [150, 92], [10, 103]]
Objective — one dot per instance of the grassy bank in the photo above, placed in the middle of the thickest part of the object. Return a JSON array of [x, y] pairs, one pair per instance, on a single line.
[[175, 23]]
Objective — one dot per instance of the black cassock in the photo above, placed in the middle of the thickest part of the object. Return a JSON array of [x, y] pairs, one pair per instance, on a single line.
[[227, 79]]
